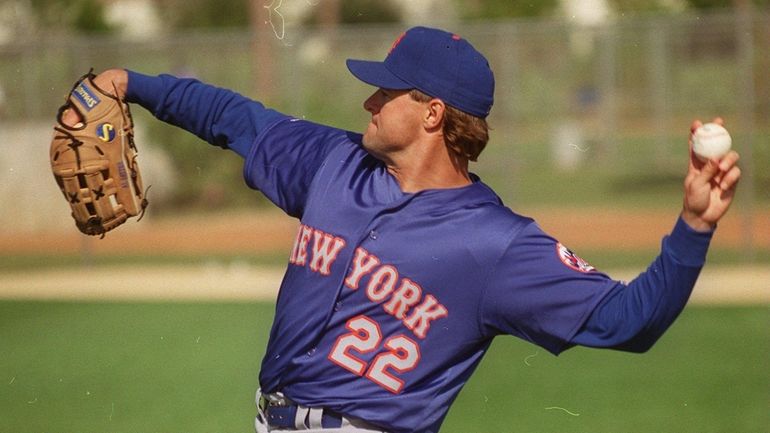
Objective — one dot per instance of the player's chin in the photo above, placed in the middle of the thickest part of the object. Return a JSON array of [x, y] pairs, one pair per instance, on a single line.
[[369, 145], [373, 146], [368, 138]]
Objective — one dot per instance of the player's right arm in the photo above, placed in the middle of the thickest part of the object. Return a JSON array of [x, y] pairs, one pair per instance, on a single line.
[[281, 153], [219, 116]]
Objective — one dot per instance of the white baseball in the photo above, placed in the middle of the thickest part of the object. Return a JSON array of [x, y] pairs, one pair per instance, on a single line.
[[710, 141]]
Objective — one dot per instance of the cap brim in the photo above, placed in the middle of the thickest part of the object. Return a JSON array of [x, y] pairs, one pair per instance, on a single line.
[[376, 74]]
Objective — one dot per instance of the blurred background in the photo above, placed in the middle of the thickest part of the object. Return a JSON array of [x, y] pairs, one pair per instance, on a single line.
[[593, 105]]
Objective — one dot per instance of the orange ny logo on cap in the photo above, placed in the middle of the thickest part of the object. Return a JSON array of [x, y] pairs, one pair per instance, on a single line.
[[396, 42]]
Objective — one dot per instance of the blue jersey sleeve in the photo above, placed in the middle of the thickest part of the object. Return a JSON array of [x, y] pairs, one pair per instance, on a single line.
[[284, 161], [634, 316], [219, 116], [542, 292], [282, 153]]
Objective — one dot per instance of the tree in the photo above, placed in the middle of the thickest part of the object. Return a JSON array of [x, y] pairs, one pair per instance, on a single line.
[[85, 16], [190, 14], [500, 9]]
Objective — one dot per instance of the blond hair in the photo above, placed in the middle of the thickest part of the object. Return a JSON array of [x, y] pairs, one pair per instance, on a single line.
[[464, 133]]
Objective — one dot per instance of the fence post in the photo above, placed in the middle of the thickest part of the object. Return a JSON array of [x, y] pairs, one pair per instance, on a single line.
[[744, 30], [658, 64], [609, 106]]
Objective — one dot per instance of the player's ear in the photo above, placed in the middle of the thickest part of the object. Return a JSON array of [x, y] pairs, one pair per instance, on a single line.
[[434, 114]]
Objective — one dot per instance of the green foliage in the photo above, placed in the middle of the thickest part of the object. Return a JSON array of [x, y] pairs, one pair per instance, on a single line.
[[630, 6], [210, 177], [85, 16], [624, 6], [89, 17], [501, 9], [721, 4], [710, 4], [190, 14], [186, 14], [367, 11], [48, 11]]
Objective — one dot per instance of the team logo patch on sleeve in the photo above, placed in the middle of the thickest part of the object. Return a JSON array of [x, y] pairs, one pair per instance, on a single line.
[[572, 260]]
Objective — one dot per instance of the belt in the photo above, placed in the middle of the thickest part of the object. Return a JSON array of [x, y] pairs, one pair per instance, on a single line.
[[282, 413], [288, 417]]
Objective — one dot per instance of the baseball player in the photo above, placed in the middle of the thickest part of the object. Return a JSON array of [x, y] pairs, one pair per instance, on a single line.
[[406, 265]]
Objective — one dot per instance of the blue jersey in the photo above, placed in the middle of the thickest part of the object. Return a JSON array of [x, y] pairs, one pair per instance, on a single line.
[[391, 299]]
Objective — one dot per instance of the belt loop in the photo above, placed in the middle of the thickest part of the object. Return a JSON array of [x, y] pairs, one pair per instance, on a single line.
[[260, 421], [260, 400], [315, 418], [299, 418]]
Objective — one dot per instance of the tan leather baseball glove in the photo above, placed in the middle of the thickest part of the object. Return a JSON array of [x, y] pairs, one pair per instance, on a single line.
[[94, 161]]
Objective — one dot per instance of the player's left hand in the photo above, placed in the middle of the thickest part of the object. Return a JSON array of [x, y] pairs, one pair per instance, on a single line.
[[112, 81], [709, 187]]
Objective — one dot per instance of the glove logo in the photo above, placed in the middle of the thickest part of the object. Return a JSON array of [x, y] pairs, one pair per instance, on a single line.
[[105, 132], [86, 97]]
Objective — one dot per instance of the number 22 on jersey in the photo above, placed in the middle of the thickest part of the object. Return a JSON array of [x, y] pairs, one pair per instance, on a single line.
[[399, 353]]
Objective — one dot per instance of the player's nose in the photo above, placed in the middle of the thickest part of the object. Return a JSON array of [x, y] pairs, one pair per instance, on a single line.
[[371, 104]]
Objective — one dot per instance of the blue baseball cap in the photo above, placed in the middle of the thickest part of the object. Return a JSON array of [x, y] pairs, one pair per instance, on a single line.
[[439, 64]]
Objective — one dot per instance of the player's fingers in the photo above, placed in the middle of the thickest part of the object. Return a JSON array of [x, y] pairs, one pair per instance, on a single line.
[[730, 179], [729, 160], [719, 121], [705, 175], [112, 81], [695, 125], [71, 118], [694, 163], [726, 164], [727, 195]]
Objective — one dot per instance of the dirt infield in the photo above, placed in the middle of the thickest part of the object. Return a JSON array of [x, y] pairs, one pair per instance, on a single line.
[[268, 232]]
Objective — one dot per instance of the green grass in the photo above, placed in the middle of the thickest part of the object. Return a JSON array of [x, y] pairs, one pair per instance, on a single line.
[[130, 367], [605, 258], [707, 375], [176, 367]]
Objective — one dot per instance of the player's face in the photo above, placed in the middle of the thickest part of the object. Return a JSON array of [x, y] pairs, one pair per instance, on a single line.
[[396, 119]]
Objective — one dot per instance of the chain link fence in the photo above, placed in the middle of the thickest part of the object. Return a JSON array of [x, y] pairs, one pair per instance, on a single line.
[[583, 115]]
